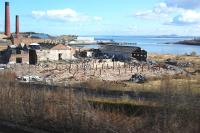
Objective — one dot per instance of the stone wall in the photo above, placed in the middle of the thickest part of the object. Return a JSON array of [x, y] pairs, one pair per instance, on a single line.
[[24, 57], [53, 55]]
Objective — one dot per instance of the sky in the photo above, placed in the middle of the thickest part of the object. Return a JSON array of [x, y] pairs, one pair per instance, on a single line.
[[105, 17]]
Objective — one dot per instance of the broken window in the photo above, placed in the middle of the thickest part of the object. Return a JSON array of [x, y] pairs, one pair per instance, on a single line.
[[18, 60]]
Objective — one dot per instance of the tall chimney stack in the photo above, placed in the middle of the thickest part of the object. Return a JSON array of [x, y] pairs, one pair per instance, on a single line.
[[7, 19], [17, 26]]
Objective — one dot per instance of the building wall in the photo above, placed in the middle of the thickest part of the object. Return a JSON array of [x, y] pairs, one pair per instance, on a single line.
[[85, 38], [4, 56], [89, 53], [53, 55], [24, 56], [123, 52]]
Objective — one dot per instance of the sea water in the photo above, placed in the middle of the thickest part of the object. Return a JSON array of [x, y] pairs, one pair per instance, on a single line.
[[154, 44]]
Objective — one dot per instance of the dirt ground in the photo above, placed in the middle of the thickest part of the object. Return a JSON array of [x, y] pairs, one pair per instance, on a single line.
[[103, 70]]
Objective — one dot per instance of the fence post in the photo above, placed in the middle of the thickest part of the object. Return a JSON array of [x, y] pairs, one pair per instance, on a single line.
[[142, 67], [70, 68], [77, 67], [113, 65]]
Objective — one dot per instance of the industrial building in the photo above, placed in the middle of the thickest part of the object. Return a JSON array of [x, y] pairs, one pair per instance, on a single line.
[[57, 53], [120, 52]]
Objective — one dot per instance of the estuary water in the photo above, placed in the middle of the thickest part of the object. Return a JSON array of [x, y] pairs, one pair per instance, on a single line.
[[155, 44]]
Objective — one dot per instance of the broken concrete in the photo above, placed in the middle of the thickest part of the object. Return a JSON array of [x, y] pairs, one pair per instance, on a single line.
[[138, 78]]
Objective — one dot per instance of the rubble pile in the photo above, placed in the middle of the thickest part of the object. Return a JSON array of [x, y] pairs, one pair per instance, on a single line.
[[103, 69], [138, 78], [171, 62]]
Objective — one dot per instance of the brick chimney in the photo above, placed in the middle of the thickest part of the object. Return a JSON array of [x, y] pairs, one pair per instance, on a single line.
[[7, 19], [17, 26]]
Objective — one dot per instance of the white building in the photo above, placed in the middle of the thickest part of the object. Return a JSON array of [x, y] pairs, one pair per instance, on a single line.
[[84, 40], [58, 52]]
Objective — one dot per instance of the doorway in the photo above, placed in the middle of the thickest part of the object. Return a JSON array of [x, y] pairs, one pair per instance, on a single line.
[[32, 57], [59, 56]]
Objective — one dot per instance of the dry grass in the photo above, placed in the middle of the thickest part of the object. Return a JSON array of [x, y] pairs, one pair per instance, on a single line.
[[63, 110], [195, 60], [124, 100], [150, 86], [57, 110]]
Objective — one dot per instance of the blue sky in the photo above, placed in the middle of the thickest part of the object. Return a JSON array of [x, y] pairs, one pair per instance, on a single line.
[[106, 17]]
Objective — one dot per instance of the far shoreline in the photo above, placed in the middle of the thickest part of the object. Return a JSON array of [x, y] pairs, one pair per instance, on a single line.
[[194, 42], [153, 54]]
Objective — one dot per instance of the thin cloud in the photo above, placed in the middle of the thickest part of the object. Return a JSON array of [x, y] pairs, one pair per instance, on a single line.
[[160, 10], [97, 18], [186, 4], [64, 15]]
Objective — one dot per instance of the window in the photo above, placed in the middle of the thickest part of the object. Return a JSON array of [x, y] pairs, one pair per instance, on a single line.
[[18, 60]]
